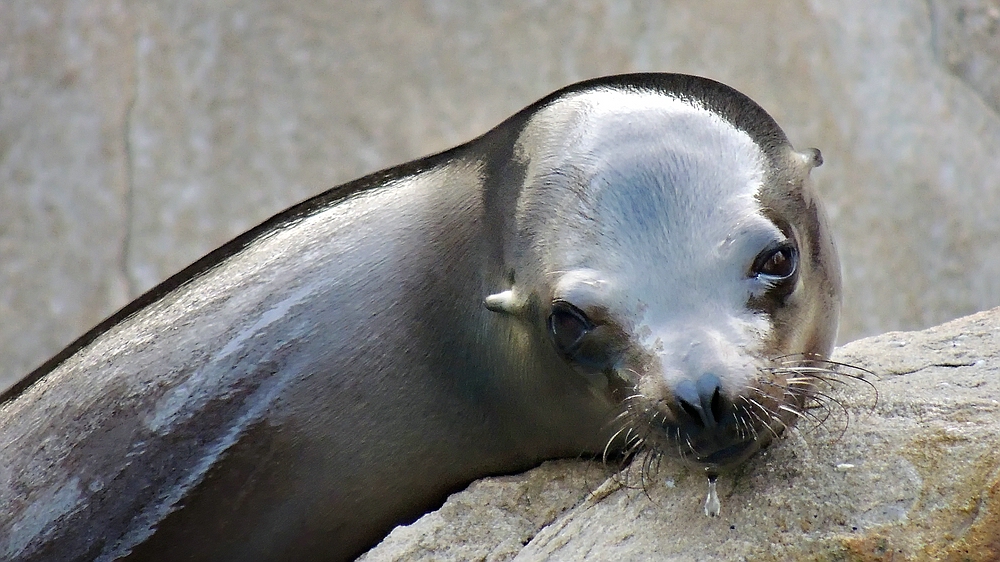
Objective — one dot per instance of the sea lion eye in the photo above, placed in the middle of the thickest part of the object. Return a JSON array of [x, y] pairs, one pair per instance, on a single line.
[[777, 263], [567, 324]]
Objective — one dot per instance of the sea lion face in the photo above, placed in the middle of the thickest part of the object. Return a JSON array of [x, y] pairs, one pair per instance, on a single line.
[[675, 260]]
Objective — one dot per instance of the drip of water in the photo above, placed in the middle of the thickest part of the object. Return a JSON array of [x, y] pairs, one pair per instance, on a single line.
[[712, 505]]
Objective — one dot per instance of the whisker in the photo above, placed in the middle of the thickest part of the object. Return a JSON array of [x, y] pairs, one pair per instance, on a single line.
[[767, 413]]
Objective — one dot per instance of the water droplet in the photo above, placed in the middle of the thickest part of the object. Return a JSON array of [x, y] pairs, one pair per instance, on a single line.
[[712, 505]]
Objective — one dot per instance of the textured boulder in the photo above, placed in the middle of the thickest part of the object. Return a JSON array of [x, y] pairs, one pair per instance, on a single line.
[[914, 475], [137, 136]]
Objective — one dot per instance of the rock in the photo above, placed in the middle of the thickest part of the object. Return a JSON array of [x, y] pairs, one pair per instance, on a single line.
[[910, 474], [495, 517], [137, 136], [966, 40], [65, 77]]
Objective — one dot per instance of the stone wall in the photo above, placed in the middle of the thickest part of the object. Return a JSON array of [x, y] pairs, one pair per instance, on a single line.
[[136, 136]]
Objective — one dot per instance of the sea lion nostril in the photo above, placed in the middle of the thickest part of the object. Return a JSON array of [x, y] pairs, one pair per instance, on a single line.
[[689, 402], [702, 401], [694, 412], [718, 408], [710, 396]]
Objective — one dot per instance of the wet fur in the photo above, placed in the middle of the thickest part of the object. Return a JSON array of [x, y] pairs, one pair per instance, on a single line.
[[291, 395]]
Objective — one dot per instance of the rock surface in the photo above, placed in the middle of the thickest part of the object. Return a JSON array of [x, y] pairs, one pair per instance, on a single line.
[[137, 136], [915, 475]]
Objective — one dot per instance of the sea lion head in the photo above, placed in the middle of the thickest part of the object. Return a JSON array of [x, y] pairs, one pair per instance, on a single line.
[[671, 249]]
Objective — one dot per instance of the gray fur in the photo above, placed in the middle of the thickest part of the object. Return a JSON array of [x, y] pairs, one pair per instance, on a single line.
[[335, 371]]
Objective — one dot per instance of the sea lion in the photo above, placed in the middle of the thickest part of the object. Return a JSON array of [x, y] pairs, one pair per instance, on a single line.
[[656, 271]]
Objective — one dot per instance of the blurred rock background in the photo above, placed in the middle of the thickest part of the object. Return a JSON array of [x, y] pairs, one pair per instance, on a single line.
[[137, 136]]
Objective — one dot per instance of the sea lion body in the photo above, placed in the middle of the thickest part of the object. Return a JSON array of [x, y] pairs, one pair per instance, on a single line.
[[334, 372]]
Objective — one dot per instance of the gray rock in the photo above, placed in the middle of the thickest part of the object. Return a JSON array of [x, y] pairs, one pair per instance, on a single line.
[[911, 475], [137, 136], [495, 517], [64, 173], [966, 41]]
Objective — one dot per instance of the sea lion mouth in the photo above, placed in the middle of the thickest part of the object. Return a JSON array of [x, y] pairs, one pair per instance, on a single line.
[[718, 435], [728, 441], [726, 457], [717, 448]]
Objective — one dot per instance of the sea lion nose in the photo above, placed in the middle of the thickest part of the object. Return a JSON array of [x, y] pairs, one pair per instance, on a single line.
[[701, 400]]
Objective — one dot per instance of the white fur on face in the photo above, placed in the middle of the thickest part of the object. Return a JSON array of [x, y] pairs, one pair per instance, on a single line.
[[655, 198]]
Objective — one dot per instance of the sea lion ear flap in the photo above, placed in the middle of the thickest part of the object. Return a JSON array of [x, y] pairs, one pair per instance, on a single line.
[[504, 302], [811, 157]]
